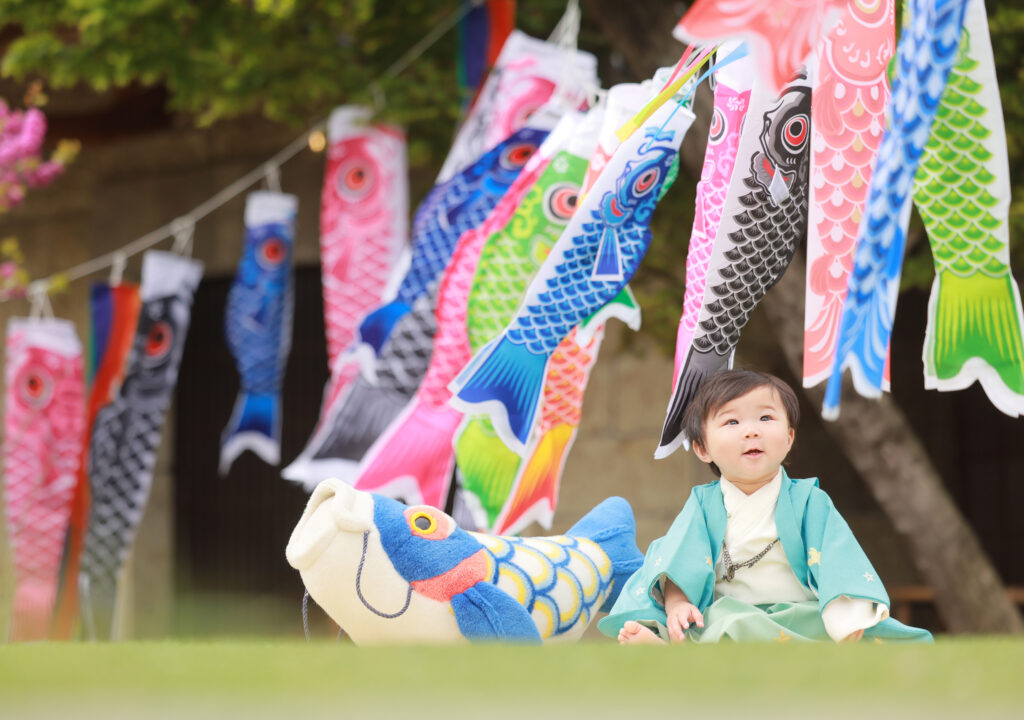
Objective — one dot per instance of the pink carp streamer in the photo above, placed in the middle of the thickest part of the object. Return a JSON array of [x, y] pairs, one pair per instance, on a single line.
[[526, 75], [364, 225], [732, 98], [414, 459], [848, 115], [781, 33], [44, 427]]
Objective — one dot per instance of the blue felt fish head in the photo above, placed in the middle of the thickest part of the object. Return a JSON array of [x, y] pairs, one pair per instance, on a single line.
[[265, 259], [640, 181], [421, 541], [509, 159]]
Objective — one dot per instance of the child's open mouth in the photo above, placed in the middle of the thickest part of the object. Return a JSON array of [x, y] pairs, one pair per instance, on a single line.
[[754, 453]]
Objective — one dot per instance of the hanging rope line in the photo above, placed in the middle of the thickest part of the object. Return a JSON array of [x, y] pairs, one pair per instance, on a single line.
[[268, 170]]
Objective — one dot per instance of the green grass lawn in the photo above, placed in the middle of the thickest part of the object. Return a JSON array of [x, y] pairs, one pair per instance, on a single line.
[[250, 679]]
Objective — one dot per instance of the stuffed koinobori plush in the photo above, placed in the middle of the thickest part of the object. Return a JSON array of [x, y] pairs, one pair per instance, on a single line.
[[388, 573]]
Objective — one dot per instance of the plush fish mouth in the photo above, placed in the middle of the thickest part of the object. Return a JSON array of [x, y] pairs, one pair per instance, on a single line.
[[359, 588], [335, 507]]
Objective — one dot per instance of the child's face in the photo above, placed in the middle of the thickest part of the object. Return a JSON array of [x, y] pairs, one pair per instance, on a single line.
[[748, 437]]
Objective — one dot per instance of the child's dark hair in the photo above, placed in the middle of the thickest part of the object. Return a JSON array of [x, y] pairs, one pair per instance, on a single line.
[[724, 387]]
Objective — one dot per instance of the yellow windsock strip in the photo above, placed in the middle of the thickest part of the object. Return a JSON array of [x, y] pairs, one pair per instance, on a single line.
[[661, 98]]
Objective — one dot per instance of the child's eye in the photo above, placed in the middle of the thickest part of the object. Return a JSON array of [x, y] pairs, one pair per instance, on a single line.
[[766, 417], [731, 422]]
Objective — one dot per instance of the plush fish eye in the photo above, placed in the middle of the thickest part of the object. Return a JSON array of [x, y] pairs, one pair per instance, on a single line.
[[424, 523]]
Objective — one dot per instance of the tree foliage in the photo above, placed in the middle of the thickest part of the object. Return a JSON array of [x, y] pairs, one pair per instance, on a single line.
[[286, 59], [292, 60]]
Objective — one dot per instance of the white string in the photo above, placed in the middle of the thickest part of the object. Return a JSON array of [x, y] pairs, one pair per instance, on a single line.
[[39, 295], [183, 229], [566, 36], [567, 31], [117, 266], [272, 175], [259, 173]]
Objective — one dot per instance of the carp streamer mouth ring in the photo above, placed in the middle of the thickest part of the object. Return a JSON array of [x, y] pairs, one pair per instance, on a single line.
[[359, 589]]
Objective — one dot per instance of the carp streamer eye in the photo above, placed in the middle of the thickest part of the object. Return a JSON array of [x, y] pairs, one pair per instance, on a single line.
[[355, 180], [517, 155], [272, 252], [646, 181], [718, 126], [560, 202], [36, 387], [795, 132], [158, 340]]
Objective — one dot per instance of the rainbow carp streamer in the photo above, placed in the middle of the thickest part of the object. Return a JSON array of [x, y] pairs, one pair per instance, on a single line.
[[413, 459], [588, 267], [44, 427], [503, 491], [405, 326], [508, 262], [115, 313], [927, 51], [127, 432], [962, 191]]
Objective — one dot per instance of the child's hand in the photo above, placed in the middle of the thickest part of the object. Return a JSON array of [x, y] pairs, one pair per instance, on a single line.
[[680, 617]]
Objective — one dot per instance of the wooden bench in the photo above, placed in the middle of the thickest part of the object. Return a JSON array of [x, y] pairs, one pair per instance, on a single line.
[[904, 597]]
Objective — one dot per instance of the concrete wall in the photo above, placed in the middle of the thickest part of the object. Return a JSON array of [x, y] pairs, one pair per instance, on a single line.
[[120, 191]]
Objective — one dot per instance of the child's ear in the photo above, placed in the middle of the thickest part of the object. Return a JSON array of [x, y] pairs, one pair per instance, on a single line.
[[701, 453], [792, 437]]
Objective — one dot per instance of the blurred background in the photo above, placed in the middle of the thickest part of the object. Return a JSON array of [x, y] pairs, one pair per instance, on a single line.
[[172, 100]]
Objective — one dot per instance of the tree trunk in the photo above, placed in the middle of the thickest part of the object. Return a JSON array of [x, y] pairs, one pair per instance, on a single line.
[[642, 33], [874, 435], [879, 442]]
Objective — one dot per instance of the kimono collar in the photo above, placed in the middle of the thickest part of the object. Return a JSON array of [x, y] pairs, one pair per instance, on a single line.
[[789, 514], [734, 497], [789, 517]]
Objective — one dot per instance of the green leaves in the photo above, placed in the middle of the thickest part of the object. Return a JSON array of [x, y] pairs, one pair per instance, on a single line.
[[290, 60]]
